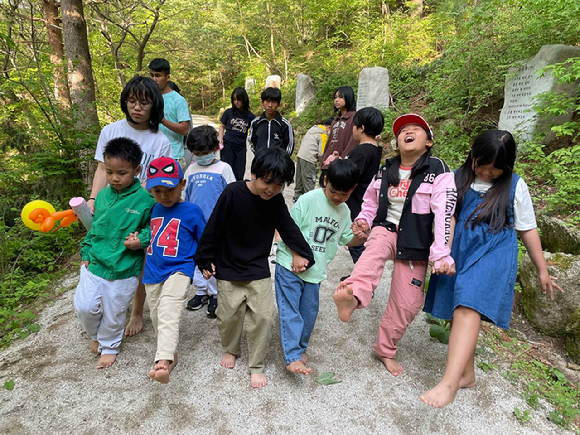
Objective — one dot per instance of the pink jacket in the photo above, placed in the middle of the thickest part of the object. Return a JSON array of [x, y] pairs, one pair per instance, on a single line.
[[435, 194]]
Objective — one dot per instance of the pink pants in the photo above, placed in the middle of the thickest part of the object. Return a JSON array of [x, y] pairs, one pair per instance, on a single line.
[[406, 297]]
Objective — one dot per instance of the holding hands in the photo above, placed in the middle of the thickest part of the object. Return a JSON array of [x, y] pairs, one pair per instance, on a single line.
[[299, 263], [207, 274], [443, 266], [132, 241], [360, 229]]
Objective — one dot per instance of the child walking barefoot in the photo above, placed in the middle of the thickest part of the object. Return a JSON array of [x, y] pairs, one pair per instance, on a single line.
[[493, 204], [412, 194], [176, 227], [235, 246]]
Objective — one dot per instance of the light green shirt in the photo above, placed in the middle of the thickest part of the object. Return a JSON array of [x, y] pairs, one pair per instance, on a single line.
[[175, 110], [325, 226]]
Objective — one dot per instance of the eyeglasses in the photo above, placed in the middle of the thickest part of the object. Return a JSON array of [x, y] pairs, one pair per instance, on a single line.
[[133, 103]]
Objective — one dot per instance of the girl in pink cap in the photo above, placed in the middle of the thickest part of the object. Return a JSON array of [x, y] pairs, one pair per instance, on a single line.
[[409, 206]]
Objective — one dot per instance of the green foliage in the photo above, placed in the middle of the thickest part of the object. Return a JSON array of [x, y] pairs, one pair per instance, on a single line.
[[486, 366], [29, 262], [523, 417], [327, 378], [9, 385], [549, 383], [439, 329]]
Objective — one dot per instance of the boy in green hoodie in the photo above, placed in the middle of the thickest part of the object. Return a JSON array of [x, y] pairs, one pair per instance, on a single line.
[[112, 251]]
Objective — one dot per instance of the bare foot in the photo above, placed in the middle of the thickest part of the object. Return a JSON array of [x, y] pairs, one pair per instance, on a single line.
[[135, 326], [304, 358], [467, 381], [298, 367], [94, 346], [228, 360], [106, 361], [345, 301], [392, 366], [162, 370], [258, 380], [440, 396]]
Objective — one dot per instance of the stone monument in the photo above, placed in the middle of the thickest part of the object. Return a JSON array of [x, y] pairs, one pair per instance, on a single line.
[[373, 88], [250, 84], [273, 82], [305, 90], [524, 84]]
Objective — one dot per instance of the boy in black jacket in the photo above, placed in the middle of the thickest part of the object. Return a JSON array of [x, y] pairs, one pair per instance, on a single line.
[[235, 246], [271, 129]]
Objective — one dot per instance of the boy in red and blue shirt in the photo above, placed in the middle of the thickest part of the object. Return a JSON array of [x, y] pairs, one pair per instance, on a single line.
[[176, 227]]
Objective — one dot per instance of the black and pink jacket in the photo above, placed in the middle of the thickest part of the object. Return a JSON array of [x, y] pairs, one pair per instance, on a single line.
[[425, 226]]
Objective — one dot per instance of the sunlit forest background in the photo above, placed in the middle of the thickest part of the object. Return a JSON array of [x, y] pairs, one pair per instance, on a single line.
[[447, 59]]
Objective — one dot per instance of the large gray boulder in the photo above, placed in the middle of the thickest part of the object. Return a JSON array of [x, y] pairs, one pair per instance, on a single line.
[[305, 90], [556, 317], [557, 236]]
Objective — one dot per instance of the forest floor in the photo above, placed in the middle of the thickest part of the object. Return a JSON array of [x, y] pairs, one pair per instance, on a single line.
[[57, 388]]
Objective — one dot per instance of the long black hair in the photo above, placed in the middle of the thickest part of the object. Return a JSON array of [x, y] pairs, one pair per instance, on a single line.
[[241, 95], [495, 147], [347, 93], [144, 89]]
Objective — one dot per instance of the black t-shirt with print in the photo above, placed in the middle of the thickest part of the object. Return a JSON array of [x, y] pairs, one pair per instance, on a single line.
[[237, 125]]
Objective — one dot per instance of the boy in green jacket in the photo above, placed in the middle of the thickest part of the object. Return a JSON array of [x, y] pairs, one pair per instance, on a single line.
[[112, 252]]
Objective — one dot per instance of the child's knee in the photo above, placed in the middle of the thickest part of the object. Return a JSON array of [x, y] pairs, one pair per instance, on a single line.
[[87, 308]]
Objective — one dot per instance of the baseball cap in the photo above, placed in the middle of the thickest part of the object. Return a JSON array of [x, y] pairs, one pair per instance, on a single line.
[[410, 118], [163, 171]]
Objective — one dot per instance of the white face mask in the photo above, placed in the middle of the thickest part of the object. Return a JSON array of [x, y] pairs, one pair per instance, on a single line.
[[204, 160]]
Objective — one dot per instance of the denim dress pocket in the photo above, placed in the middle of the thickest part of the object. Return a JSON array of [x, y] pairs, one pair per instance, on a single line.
[[421, 201]]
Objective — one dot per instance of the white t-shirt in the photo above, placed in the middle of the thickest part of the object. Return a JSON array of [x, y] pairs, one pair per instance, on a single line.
[[398, 194], [153, 145], [524, 217]]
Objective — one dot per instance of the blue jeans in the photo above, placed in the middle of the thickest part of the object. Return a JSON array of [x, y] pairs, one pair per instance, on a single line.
[[298, 308]]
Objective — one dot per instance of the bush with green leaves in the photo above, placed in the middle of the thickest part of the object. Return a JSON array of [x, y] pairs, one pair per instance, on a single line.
[[29, 262]]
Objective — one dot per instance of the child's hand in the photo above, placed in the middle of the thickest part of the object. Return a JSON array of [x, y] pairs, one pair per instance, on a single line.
[[84, 263], [360, 229], [444, 266], [207, 274], [547, 283], [298, 263], [331, 158], [132, 241]]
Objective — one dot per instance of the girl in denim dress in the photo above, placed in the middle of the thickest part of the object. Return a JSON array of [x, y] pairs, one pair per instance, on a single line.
[[493, 204]]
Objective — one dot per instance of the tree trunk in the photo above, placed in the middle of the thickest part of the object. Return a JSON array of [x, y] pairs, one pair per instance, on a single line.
[[80, 72], [81, 83], [417, 8], [54, 34]]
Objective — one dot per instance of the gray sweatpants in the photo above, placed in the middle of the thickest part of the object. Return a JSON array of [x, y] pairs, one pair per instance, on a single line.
[[101, 306]]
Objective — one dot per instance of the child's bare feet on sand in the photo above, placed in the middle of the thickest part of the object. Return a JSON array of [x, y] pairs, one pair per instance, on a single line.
[[106, 361], [304, 358], [345, 301], [162, 370], [94, 346], [298, 367], [258, 380], [228, 360], [392, 366], [440, 396], [135, 326]]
